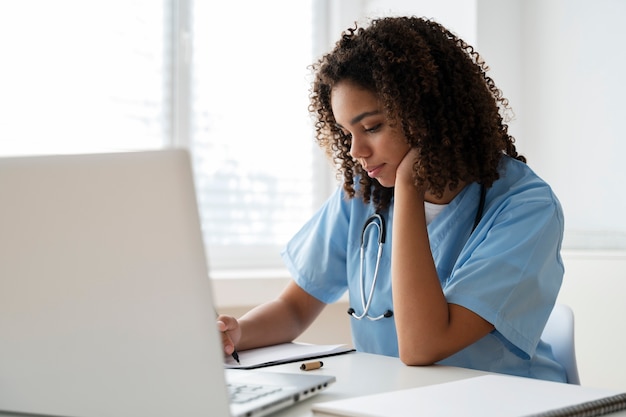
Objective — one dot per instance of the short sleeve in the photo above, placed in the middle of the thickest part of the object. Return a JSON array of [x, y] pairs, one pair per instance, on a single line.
[[316, 255], [510, 272]]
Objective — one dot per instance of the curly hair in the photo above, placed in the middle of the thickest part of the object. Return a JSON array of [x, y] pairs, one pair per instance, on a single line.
[[434, 86]]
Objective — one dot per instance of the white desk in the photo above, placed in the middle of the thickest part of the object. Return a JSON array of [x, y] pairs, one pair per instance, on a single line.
[[361, 374]]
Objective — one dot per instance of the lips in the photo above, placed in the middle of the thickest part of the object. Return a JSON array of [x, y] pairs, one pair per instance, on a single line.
[[373, 171]]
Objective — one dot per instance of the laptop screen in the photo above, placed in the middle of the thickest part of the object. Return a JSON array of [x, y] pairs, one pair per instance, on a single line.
[[105, 302]]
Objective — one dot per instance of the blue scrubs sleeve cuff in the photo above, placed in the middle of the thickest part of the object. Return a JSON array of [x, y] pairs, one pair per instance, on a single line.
[[508, 335]]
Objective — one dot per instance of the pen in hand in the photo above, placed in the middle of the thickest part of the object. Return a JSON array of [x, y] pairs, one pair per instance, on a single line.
[[235, 355]]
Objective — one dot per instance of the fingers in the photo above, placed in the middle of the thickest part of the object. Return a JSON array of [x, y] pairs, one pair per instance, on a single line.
[[227, 343], [221, 326], [229, 327], [404, 172], [226, 323]]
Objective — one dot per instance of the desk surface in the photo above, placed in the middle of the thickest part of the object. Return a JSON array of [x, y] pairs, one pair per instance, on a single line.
[[361, 374]]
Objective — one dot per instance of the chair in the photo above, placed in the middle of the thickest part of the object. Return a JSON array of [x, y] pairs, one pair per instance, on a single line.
[[559, 333]]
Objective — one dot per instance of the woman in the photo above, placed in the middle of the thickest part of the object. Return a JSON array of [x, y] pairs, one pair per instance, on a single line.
[[470, 266]]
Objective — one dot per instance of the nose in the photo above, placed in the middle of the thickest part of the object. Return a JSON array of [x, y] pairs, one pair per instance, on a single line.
[[358, 147]]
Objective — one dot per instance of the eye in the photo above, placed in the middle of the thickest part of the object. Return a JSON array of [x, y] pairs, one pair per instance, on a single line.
[[374, 128]]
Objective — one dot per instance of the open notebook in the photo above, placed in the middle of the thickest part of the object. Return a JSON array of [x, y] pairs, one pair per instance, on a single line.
[[105, 303], [284, 353]]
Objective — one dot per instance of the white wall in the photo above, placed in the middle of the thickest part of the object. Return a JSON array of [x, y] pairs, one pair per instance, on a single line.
[[561, 63], [594, 286]]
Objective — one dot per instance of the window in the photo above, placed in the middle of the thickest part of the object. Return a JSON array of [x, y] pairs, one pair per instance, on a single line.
[[81, 76], [227, 80], [251, 134]]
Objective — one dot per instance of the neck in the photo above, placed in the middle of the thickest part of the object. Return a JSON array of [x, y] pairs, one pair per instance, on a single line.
[[447, 197]]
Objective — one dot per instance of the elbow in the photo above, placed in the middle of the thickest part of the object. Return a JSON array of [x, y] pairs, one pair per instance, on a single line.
[[416, 358], [416, 362]]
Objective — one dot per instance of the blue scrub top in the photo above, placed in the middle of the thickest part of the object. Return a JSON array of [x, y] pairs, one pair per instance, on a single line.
[[508, 271]]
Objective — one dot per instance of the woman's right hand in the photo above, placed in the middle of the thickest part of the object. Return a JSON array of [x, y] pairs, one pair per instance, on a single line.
[[231, 332]]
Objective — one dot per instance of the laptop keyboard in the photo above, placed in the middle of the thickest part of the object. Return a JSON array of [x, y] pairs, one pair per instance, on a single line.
[[242, 393]]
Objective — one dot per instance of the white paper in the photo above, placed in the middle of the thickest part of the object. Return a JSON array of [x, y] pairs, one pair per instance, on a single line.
[[282, 353]]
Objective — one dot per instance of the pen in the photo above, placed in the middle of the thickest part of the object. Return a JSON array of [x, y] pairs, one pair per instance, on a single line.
[[235, 355], [308, 366]]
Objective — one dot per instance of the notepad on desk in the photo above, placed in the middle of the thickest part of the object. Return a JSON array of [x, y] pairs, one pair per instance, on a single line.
[[484, 396], [283, 353]]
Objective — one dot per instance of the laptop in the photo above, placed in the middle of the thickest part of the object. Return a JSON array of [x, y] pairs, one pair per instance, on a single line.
[[106, 306]]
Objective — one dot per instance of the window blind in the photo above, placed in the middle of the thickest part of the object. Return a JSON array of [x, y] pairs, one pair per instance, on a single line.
[[227, 80], [251, 134]]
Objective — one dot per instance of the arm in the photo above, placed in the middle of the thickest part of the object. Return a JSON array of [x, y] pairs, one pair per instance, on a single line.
[[429, 329], [277, 321]]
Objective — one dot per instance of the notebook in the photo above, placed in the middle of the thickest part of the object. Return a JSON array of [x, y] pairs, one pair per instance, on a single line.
[[492, 395], [284, 353], [105, 302]]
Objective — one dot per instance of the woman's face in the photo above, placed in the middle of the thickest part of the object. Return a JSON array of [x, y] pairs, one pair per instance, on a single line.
[[376, 145]]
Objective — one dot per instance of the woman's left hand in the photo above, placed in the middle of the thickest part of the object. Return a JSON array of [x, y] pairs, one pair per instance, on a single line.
[[404, 172]]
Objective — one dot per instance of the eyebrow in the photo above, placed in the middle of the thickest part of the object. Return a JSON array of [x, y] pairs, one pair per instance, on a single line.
[[360, 117]]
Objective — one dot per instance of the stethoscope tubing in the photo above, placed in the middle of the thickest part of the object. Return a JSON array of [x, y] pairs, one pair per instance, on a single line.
[[377, 221]]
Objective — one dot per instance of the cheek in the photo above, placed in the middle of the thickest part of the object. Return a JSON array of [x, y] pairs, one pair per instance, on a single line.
[[400, 150], [399, 140]]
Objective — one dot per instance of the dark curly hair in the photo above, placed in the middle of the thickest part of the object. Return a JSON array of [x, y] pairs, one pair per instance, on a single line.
[[434, 86]]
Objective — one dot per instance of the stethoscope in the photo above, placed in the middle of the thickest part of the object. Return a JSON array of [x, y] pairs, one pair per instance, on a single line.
[[377, 221]]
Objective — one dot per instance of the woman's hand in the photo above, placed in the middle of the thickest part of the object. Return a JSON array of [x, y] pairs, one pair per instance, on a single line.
[[231, 333], [405, 173], [278, 321]]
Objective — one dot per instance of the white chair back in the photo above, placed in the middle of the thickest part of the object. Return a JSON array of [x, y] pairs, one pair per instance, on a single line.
[[559, 333]]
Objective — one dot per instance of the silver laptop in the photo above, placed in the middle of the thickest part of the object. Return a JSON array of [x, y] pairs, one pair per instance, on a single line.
[[105, 302]]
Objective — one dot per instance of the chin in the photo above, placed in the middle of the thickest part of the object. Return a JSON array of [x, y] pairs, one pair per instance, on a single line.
[[385, 182]]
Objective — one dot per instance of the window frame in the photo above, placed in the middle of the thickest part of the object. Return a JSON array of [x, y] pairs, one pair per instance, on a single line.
[[259, 261]]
